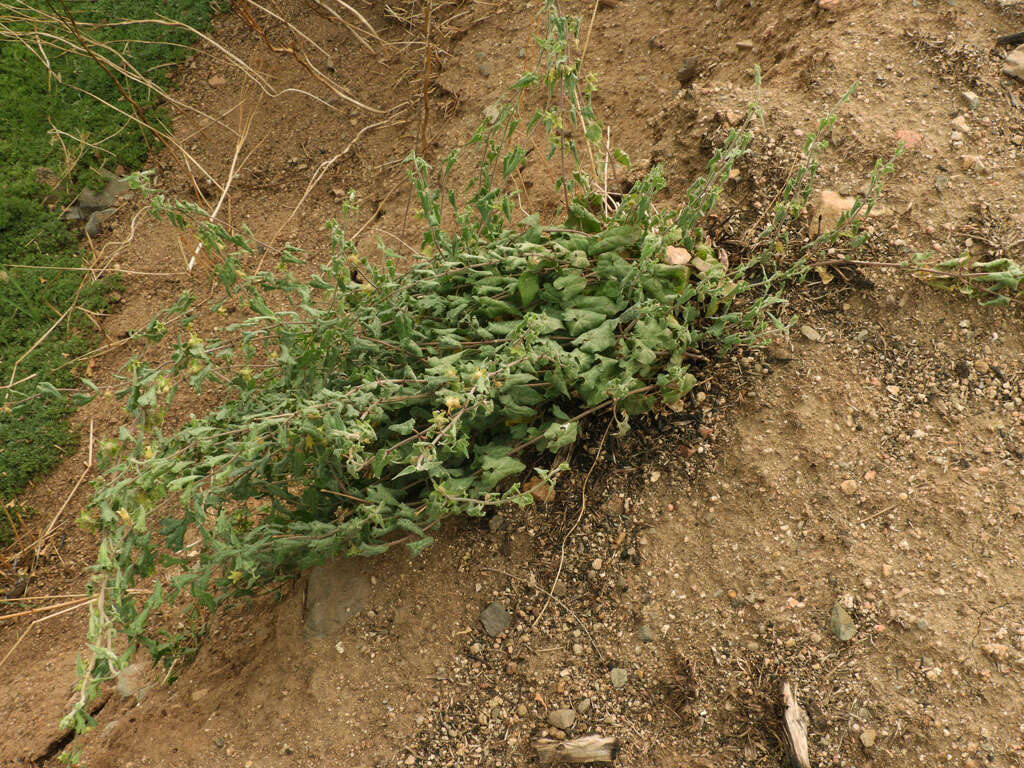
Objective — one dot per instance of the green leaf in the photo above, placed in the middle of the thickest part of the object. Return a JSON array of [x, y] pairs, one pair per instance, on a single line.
[[600, 338], [404, 428], [581, 320], [614, 239], [494, 308], [561, 435], [417, 546], [582, 219], [497, 468], [596, 380], [529, 284], [570, 284]]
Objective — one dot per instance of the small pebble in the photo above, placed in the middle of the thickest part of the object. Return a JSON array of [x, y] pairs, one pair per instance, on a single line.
[[842, 623], [562, 719], [810, 333], [619, 676]]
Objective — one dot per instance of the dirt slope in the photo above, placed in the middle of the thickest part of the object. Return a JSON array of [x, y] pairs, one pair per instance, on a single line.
[[878, 467]]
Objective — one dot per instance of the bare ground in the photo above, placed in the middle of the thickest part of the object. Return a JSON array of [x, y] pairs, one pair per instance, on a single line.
[[878, 467]]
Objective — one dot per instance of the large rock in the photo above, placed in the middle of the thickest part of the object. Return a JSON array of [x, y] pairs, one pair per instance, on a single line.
[[826, 208], [1014, 65], [335, 593]]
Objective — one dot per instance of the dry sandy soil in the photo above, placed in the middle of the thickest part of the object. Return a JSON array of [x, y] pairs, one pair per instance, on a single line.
[[877, 465]]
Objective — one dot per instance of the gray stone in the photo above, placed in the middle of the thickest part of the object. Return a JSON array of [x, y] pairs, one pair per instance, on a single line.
[[496, 523], [972, 99], [485, 68], [335, 593], [868, 736], [116, 185], [941, 181], [96, 219], [91, 200], [619, 677], [495, 619], [584, 706], [562, 719], [646, 634], [842, 623]]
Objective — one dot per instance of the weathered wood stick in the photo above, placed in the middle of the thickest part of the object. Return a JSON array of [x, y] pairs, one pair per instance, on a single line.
[[795, 721], [1011, 39], [586, 749]]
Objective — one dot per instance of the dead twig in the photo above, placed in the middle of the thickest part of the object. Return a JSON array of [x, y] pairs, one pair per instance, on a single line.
[[795, 722], [41, 609], [1016, 39], [586, 749], [31, 626]]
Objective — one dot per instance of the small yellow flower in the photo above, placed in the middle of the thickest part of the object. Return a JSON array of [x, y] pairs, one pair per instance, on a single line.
[[451, 402], [125, 518]]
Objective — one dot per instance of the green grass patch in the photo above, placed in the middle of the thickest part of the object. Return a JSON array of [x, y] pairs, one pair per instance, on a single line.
[[49, 120]]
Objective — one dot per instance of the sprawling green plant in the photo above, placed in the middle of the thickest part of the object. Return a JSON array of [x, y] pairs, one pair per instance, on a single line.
[[363, 405], [992, 282]]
